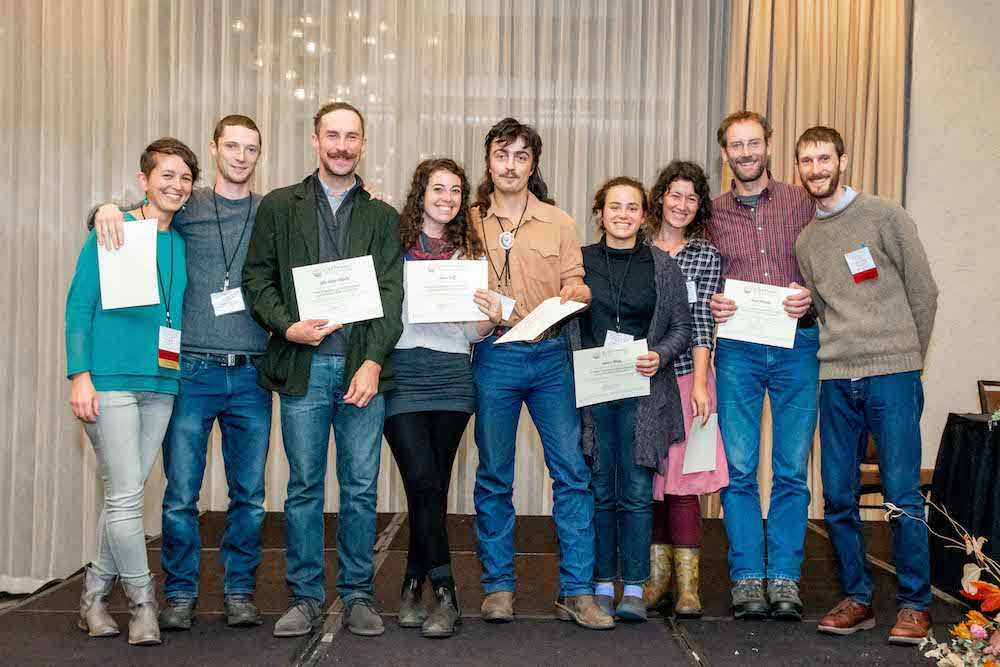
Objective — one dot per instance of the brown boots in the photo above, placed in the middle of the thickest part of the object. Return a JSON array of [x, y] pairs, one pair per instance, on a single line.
[[666, 562]]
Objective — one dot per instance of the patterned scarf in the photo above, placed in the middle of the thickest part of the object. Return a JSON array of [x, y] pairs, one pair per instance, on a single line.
[[429, 248]]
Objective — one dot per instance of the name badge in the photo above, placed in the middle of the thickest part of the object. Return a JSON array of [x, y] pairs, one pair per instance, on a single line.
[[506, 307], [861, 264], [692, 291], [615, 339], [228, 301], [168, 352]]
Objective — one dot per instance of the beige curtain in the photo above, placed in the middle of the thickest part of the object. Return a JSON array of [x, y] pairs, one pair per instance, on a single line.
[[615, 87], [841, 63]]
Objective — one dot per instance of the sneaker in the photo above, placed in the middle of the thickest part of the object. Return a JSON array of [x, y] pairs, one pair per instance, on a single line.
[[748, 599], [846, 618], [303, 616], [362, 618], [785, 602], [240, 611], [631, 609], [911, 627], [177, 614]]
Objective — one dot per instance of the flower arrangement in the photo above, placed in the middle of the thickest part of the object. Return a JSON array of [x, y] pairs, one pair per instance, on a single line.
[[975, 641]]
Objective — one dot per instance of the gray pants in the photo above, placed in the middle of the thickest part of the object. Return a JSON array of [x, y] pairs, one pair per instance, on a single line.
[[126, 439]]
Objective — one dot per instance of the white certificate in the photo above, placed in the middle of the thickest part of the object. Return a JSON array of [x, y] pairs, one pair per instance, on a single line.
[[760, 317], [128, 275], [342, 292], [702, 445], [442, 290], [535, 323], [608, 373]]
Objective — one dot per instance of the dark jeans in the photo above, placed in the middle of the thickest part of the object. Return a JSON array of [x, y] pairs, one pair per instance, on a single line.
[[889, 407], [208, 392], [424, 446], [623, 496]]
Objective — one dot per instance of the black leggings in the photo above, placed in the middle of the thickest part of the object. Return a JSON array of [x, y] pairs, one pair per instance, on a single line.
[[424, 445]]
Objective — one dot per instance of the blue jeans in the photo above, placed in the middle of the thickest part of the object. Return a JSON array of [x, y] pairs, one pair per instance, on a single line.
[[790, 377], [539, 375], [208, 392], [889, 407], [305, 430], [623, 496]]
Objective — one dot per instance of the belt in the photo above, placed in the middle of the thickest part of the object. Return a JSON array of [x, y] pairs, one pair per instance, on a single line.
[[552, 332], [227, 360]]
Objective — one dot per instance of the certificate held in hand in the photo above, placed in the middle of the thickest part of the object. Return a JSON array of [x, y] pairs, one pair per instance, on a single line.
[[442, 290], [128, 275], [342, 292], [604, 374], [760, 315]]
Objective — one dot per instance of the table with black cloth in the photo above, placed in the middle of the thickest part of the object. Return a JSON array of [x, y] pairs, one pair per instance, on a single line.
[[967, 484]]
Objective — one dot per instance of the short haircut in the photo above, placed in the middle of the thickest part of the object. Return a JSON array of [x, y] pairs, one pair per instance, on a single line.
[[238, 121], [739, 117], [168, 146], [820, 134], [336, 106]]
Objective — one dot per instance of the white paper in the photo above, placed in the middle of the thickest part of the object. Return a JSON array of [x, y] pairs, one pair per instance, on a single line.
[[442, 290], [860, 260], [506, 306], [535, 323], [342, 292], [128, 275], [603, 374], [702, 445], [760, 316], [614, 339], [228, 301], [692, 288]]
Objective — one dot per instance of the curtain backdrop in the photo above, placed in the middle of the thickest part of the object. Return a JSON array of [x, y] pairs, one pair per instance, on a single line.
[[841, 63], [613, 87]]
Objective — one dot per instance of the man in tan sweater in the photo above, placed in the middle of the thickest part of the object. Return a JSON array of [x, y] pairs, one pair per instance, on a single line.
[[876, 301]]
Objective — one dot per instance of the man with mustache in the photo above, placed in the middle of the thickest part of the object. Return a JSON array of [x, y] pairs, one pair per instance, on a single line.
[[755, 226], [876, 301], [218, 382], [327, 373]]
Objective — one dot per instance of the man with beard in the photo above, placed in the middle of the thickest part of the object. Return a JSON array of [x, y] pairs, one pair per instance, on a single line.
[[876, 301], [327, 373], [755, 226], [218, 382]]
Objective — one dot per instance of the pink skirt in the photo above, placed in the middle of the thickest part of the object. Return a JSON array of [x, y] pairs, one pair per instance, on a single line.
[[670, 480]]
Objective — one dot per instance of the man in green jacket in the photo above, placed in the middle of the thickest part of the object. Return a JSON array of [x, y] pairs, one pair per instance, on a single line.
[[327, 373]]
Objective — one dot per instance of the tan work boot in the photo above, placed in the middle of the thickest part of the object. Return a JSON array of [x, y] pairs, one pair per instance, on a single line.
[[687, 564], [498, 607], [661, 558], [143, 628], [94, 617], [583, 610]]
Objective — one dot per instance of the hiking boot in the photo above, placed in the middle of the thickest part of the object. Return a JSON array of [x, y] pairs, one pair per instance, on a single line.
[[785, 602], [748, 599], [240, 611], [178, 614]]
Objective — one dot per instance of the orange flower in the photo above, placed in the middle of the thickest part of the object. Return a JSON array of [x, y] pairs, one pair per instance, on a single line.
[[987, 593], [977, 618], [989, 663], [961, 631]]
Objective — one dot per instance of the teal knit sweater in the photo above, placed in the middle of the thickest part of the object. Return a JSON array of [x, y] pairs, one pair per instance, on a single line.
[[119, 347]]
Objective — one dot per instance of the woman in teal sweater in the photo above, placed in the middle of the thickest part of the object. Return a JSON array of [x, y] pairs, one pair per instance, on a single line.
[[123, 367]]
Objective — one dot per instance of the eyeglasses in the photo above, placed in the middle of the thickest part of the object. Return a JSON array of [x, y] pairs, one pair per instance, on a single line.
[[753, 144]]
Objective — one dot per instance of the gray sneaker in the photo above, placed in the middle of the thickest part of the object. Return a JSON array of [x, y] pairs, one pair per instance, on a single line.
[[177, 614], [303, 616], [786, 605], [748, 599], [362, 618], [241, 612]]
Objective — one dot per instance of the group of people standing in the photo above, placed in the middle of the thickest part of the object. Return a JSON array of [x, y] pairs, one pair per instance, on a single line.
[[624, 510]]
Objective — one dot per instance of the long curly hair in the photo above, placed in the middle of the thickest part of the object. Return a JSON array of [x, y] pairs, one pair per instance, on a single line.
[[602, 194], [459, 232], [683, 171], [506, 131]]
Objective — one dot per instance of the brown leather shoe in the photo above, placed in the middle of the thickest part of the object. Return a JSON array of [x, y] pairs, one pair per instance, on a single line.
[[498, 607], [846, 618], [583, 610], [911, 627]]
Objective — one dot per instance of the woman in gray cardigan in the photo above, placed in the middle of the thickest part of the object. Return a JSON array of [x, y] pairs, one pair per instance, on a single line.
[[638, 292]]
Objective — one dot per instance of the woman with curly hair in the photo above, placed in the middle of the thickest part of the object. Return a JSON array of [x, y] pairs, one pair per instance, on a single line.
[[681, 207], [638, 293], [434, 396]]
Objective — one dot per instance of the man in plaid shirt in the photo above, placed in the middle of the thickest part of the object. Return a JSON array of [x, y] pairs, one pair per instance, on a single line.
[[755, 226]]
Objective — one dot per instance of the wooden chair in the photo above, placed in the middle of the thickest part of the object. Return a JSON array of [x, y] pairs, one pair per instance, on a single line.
[[871, 479], [989, 396]]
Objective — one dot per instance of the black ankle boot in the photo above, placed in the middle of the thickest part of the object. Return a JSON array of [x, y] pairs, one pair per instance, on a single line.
[[411, 610], [446, 615]]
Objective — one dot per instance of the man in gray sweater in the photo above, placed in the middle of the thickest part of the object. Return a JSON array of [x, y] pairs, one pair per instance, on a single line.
[[876, 301]]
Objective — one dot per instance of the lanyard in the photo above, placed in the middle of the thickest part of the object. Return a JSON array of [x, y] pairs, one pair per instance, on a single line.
[[166, 296], [616, 290], [505, 271], [225, 258]]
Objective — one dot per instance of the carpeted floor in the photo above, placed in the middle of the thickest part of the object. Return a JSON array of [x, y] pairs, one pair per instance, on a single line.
[[42, 631]]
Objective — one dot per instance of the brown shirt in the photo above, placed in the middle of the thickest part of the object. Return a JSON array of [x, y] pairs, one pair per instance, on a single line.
[[544, 256]]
